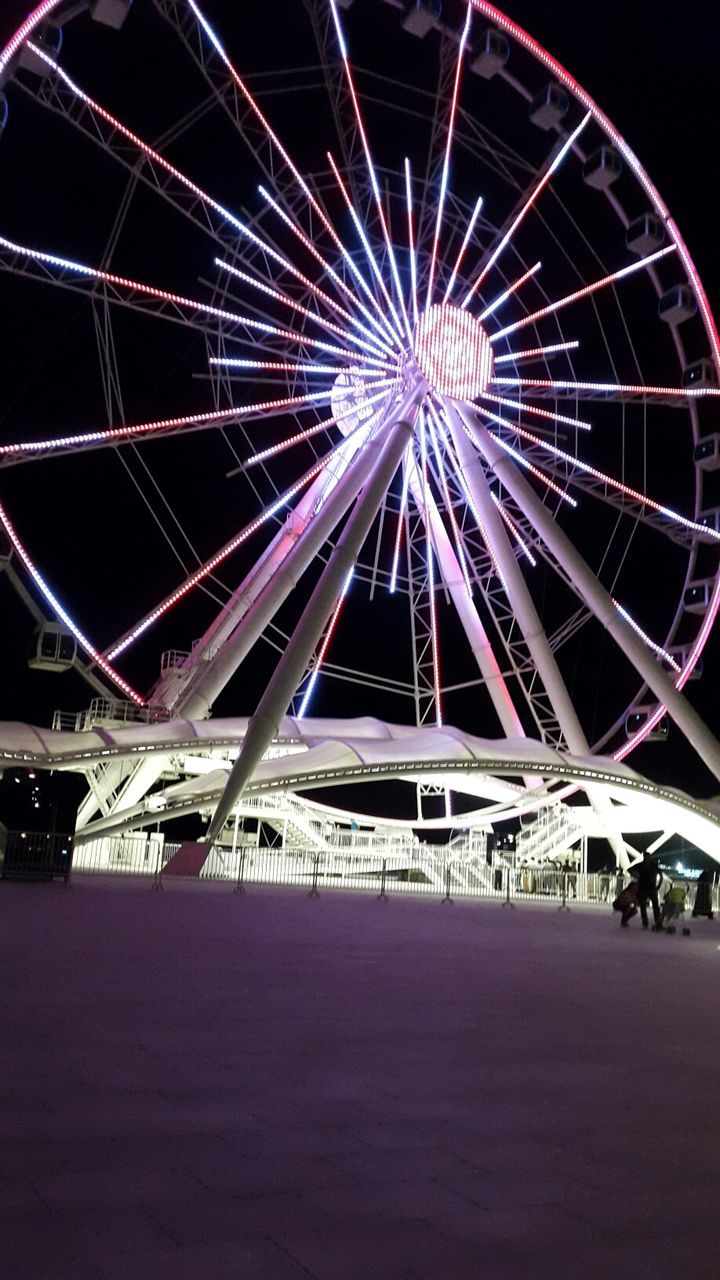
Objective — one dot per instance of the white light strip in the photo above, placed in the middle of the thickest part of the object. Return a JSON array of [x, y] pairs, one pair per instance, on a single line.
[[513, 288], [514, 530], [537, 351], [526, 207], [463, 247], [448, 148], [635, 494], [324, 647], [64, 616], [585, 292], [656, 648], [540, 413]]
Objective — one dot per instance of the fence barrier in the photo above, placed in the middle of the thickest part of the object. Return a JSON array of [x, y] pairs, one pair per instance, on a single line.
[[440, 871]]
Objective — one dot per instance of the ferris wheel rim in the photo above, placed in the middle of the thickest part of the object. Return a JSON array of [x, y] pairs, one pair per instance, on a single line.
[[42, 11]]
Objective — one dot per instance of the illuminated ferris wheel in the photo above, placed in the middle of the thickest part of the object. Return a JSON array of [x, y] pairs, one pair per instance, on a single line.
[[386, 356]]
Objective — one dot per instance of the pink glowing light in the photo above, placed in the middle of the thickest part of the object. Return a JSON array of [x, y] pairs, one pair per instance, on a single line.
[[453, 352], [401, 517]]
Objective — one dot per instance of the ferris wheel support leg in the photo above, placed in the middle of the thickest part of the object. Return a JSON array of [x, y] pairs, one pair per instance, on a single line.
[[390, 446], [211, 678], [527, 615], [467, 613], [597, 598]]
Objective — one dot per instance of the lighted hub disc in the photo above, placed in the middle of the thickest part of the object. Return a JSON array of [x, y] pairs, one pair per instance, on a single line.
[[453, 352]]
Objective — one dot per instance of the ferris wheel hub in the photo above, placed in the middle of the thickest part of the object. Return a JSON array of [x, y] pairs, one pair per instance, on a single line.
[[453, 352]]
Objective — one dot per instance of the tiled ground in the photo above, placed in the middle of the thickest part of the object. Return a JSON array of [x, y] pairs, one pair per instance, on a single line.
[[202, 1086]]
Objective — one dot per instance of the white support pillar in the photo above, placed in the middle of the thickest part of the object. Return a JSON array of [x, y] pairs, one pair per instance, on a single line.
[[527, 615], [211, 677], [390, 446], [453, 579], [597, 598]]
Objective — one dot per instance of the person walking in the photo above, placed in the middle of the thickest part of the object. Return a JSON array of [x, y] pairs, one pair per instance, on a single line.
[[649, 879]]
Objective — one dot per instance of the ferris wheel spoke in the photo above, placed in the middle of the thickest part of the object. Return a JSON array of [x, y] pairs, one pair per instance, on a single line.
[[210, 565], [585, 292], [597, 599], [522, 406], [508, 520], [636, 496], [525, 209], [59, 610], [25, 451], [272, 138], [300, 436], [463, 248], [375, 347], [370, 166], [104, 128], [372, 259], [531, 353], [602, 391], [508, 293], [382, 326], [445, 174]]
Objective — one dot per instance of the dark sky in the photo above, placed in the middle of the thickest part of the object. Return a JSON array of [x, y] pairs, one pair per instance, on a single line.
[[652, 68]]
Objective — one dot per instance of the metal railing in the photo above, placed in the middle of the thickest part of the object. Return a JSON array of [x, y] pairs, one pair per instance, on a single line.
[[424, 870]]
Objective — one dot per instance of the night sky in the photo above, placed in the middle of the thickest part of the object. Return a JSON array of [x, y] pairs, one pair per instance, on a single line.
[[653, 70]]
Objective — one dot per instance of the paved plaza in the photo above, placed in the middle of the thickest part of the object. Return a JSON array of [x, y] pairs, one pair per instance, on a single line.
[[206, 1086]]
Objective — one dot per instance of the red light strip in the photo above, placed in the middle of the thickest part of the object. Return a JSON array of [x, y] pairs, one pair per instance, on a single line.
[[584, 292], [291, 441], [31, 22], [503, 297], [62, 613], [115, 434]]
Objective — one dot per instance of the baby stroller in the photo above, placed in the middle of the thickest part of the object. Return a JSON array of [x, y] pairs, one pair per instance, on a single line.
[[673, 910]]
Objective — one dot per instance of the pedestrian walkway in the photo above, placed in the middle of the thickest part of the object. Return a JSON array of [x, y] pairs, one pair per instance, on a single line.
[[204, 1086]]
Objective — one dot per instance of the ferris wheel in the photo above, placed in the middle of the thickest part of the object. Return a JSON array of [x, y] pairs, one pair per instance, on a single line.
[[386, 370]]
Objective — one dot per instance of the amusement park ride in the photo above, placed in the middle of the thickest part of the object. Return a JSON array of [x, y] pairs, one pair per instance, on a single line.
[[411, 290]]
